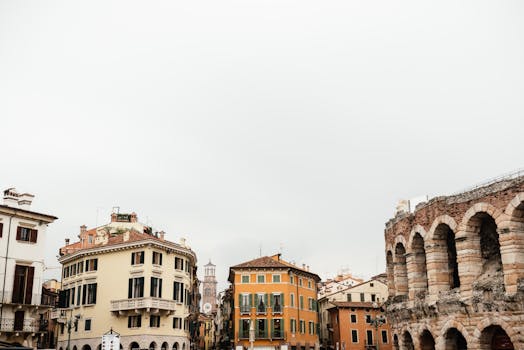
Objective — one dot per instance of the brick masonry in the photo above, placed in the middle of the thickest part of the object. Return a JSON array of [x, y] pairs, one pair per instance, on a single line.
[[456, 270]]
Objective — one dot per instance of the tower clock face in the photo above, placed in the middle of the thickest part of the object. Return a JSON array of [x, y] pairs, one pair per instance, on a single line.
[[207, 308]]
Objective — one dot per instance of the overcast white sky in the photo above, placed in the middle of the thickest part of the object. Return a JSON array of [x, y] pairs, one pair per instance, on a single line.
[[248, 125]]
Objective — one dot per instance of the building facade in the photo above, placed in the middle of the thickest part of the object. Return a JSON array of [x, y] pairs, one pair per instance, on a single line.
[[124, 278], [455, 268], [275, 305], [22, 242], [366, 298], [209, 289]]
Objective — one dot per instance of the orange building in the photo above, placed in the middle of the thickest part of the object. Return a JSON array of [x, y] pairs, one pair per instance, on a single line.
[[277, 301], [358, 325]]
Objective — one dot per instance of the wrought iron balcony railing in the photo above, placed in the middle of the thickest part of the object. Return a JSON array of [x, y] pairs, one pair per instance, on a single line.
[[27, 325], [143, 303]]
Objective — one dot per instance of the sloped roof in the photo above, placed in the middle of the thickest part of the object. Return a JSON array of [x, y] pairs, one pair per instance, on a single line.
[[362, 304], [273, 262]]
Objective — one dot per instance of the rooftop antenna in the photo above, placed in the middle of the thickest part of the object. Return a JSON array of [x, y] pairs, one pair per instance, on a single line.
[[117, 210], [260, 250]]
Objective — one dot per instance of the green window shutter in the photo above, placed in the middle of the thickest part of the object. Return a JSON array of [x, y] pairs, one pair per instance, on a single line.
[[272, 328], [240, 329], [265, 299], [272, 300], [252, 299], [265, 328], [282, 328], [282, 300], [240, 300], [256, 329]]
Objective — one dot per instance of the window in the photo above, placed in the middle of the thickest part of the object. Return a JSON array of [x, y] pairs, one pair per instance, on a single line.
[[310, 303], [157, 258], [384, 337], [245, 303], [354, 336], [154, 321], [369, 337], [353, 318], [244, 325], [62, 327], [277, 302], [276, 278], [311, 327], [300, 281], [261, 279], [78, 295], [245, 279], [89, 294], [91, 264], [368, 318], [349, 296], [179, 263], [292, 280], [188, 266], [90, 239], [156, 287], [177, 323], [87, 324], [1, 228], [178, 291], [80, 267], [293, 325], [309, 284], [292, 299], [301, 301], [261, 302], [136, 288], [371, 284], [302, 327], [362, 297], [373, 297], [134, 321], [137, 258], [72, 296], [23, 284], [26, 234], [73, 269], [276, 328], [261, 328]]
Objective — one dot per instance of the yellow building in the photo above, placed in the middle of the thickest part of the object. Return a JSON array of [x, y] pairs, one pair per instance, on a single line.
[[277, 301], [121, 276]]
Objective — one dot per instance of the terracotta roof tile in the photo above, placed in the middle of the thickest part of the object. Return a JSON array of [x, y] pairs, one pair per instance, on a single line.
[[365, 304]]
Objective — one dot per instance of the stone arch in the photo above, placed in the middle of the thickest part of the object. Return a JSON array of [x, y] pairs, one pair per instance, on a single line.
[[396, 345], [515, 209], [444, 339], [511, 243], [399, 239], [134, 346], [152, 346], [86, 347], [183, 346], [99, 347], [441, 256], [482, 244], [400, 271], [61, 348], [390, 273], [426, 340], [75, 347], [416, 266], [175, 346], [164, 346], [481, 207], [483, 334], [407, 341], [416, 229]]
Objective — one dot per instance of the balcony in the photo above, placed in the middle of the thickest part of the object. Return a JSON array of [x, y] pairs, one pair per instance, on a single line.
[[150, 304], [27, 326], [8, 299], [277, 309]]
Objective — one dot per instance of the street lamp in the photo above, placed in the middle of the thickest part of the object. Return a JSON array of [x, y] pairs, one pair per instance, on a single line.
[[72, 321], [376, 322]]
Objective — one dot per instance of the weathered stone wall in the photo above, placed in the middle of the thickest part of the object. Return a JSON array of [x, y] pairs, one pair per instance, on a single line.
[[456, 269]]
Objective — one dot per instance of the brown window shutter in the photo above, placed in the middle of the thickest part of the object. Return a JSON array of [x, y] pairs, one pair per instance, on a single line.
[[18, 233], [29, 287], [1, 229], [19, 271], [33, 236]]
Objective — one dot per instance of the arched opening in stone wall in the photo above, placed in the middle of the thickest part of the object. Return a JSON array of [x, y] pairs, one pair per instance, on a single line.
[[152, 346], [395, 342], [99, 347], [427, 342], [175, 346], [442, 260], [454, 340], [417, 274], [400, 270], [86, 347], [390, 273], [491, 259], [407, 341], [134, 346], [164, 346], [495, 338]]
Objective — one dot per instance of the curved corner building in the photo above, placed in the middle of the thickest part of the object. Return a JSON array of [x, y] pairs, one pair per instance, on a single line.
[[124, 278]]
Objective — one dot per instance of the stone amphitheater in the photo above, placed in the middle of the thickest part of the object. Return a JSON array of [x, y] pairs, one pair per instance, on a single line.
[[455, 267]]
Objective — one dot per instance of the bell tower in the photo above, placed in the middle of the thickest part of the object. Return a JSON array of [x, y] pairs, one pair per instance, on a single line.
[[209, 299]]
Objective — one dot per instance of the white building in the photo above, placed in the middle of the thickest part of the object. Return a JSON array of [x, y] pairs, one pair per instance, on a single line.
[[22, 243]]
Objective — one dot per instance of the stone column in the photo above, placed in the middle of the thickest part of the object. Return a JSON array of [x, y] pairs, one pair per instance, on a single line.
[[469, 260], [512, 254]]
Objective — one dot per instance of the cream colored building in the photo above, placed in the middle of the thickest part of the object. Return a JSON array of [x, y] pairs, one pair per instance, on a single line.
[[121, 276]]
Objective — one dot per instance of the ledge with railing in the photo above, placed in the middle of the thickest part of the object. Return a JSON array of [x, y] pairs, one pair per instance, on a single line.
[[26, 325], [143, 303], [7, 298]]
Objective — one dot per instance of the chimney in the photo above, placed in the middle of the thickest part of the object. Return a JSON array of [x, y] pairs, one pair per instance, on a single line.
[[67, 241], [307, 267], [113, 217], [83, 229], [11, 197], [303, 266], [162, 233], [133, 217], [25, 200]]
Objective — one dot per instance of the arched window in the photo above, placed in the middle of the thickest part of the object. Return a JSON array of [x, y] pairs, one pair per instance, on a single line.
[[443, 273], [134, 346], [454, 340], [427, 342], [400, 270]]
